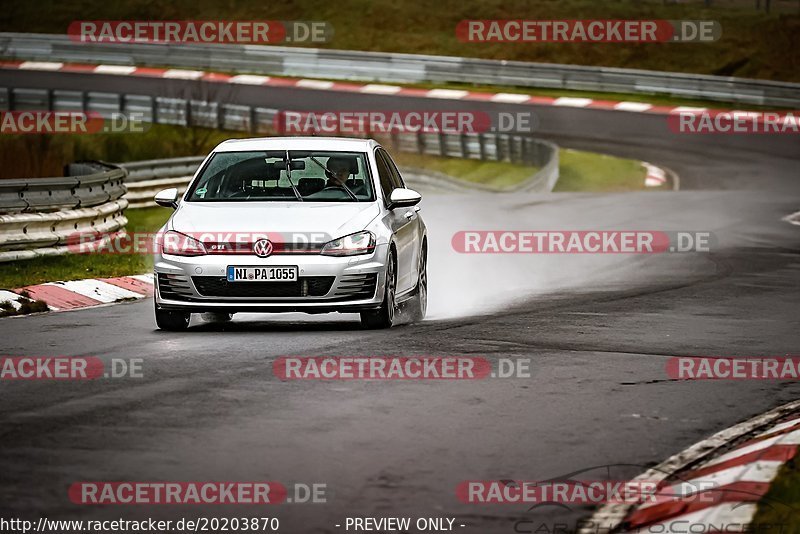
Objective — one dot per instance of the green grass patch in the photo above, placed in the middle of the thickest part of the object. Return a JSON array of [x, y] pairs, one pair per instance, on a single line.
[[590, 172], [779, 510], [495, 174], [77, 266]]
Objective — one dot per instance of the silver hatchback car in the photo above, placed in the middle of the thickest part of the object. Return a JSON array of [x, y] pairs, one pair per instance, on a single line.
[[295, 224]]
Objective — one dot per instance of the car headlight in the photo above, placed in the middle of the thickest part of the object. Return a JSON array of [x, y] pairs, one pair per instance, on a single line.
[[350, 245], [178, 244]]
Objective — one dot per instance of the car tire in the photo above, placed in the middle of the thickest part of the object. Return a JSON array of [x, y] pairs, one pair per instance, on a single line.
[[172, 321], [383, 317], [418, 304], [215, 317]]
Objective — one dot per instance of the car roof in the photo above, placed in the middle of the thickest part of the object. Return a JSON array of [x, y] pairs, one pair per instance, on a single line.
[[345, 144]]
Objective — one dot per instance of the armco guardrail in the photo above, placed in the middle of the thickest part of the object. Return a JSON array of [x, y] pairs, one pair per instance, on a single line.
[[144, 179], [403, 68], [39, 215]]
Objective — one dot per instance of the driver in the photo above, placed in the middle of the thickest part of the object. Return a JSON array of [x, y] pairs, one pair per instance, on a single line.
[[340, 171]]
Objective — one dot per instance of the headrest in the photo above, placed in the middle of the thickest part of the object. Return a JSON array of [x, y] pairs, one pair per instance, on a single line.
[[347, 162]]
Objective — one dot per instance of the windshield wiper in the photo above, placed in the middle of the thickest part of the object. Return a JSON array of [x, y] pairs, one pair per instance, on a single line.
[[329, 174], [289, 176]]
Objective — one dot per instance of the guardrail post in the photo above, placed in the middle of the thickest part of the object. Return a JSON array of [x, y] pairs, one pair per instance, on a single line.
[[187, 117], [154, 109]]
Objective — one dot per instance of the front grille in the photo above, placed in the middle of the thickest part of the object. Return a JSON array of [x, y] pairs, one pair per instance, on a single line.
[[308, 286], [357, 286], [174, 286]]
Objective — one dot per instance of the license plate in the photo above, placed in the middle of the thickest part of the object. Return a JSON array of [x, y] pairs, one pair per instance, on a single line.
[[279, 273]]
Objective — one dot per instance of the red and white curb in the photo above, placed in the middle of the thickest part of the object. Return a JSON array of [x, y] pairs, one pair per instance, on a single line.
[[655, 177], [723, 491], [326, 85], [700, 490], [62, 296]]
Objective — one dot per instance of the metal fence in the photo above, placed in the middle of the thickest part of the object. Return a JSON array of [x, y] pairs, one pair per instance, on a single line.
[[146, 178], [400, 68], [38, 216]]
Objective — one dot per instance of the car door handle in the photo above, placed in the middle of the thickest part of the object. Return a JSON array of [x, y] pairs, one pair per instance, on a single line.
[[410, 214]]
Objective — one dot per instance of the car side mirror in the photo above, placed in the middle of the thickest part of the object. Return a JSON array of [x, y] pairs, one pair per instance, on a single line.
[[403, 198], [167, 198]]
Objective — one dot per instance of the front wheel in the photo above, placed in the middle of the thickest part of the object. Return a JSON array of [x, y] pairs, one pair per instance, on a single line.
[[383, 317], [173, 321]]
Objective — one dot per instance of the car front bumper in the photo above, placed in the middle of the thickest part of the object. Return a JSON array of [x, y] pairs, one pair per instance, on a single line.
[[325, 283]]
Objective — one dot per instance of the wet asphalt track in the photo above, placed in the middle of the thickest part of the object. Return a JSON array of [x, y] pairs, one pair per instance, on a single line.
[[597, 329]]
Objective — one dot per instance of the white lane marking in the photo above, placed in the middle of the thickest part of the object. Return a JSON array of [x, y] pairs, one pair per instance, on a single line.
[[705, 520], [146, 278], [381, 89], [183, 74], [513, 98], [10, 297], [782, 426], [447, 93], [97, 290], [41, 65], [632, 106], [572, 102], [792, 438], [249, 79], [114, 69], [314, 84]]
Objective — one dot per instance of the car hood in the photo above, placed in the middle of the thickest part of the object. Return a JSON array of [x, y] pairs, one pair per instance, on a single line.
[[334, 219]]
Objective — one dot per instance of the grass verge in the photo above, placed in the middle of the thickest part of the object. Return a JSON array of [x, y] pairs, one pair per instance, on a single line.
[[779, 510], [496, 174], [754, 43], [599, 173]]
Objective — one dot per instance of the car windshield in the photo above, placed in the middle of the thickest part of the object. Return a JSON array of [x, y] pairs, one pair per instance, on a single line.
[[280, 175]]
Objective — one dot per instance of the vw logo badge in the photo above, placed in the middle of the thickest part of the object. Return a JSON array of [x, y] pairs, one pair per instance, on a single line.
[[262, 248]]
